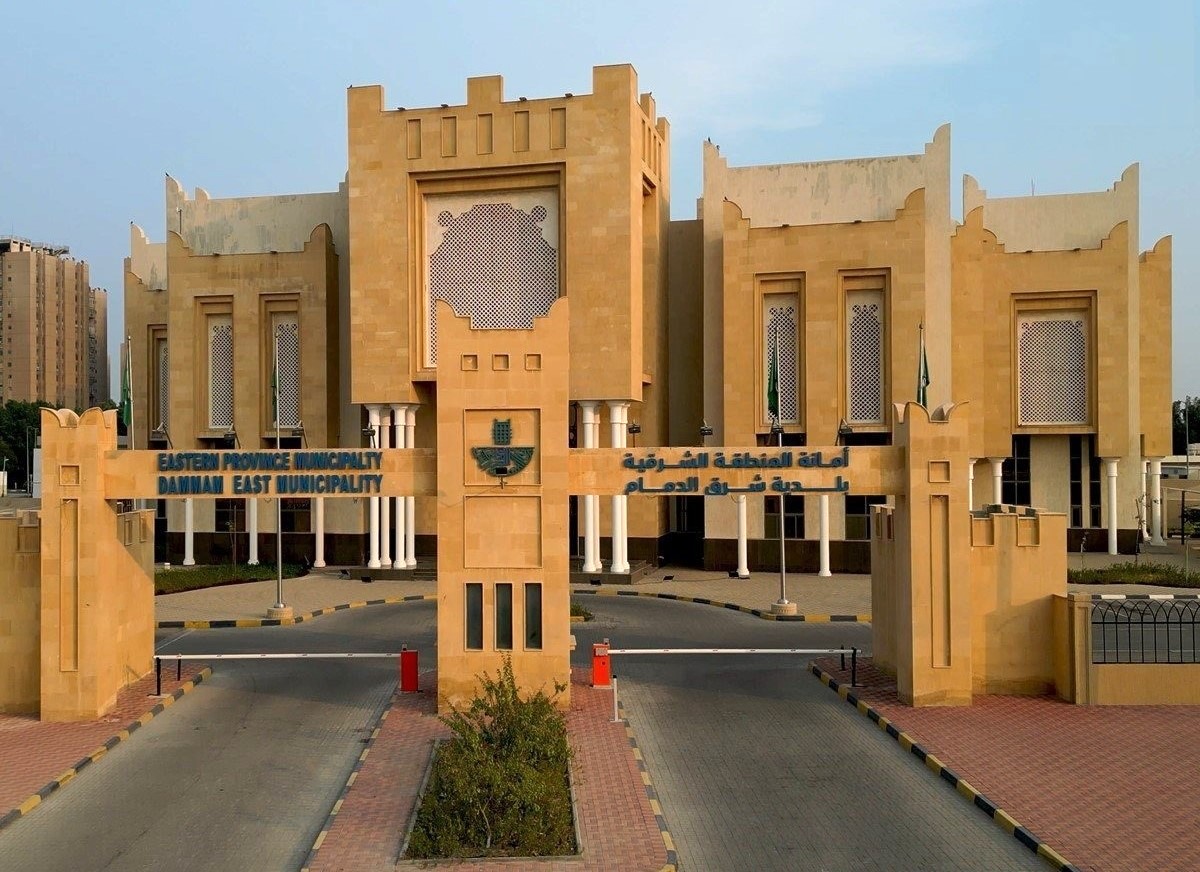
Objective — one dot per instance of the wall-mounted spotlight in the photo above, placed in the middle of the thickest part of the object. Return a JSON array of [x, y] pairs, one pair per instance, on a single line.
[[369, 435], [231, 438], [160, 433]]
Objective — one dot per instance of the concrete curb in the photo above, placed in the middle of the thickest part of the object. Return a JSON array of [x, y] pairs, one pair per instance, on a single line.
[[337, 806], [704, 601], [298, 619], [652, 795], [1144, 596], [999, 815], [36, 799]]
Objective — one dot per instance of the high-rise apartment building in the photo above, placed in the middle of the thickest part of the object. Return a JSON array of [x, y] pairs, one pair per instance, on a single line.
[[53, 345]]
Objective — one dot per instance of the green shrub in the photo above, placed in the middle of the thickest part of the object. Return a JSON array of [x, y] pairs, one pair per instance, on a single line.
[[499, 787], [1136, 573], [578, 611], [181, 578]]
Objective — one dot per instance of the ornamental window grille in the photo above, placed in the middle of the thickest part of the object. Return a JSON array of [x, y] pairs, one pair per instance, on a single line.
[[285, 382], [495, 260], [864, 357], [163, 363], [781, 345], [1052, 368], [220, 371]]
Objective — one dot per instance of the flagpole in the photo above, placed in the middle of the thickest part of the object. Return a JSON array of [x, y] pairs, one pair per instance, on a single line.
[[278, 497]]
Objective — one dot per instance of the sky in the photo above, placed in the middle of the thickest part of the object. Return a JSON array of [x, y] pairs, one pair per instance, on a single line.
[[247, 98]]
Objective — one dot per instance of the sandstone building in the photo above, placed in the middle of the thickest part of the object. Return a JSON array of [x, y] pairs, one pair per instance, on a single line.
[[791, 307]]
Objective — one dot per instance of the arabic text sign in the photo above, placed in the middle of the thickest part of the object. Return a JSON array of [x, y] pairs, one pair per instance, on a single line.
[[733, 466]]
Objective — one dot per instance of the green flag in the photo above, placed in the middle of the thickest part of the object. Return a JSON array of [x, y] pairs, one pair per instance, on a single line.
[[127, 391], [922, 371], [773, 382]]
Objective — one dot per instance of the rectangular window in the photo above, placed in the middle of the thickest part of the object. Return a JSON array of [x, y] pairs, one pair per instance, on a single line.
[[858, 514], [781, 350], [160, 394], [1052, 367], [1014, 482], [793, 517], [220, 372], [533, 616], [866, 374], [1094, 486], [230, 516], [284, 392], [296, 515], [474, 616], [504, 616], [1077, 480]]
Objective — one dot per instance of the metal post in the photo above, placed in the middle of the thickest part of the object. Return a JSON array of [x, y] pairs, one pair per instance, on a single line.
[[616, 717], [783, 600], [278, 499], [158, 676], [178, 668], [854, 667], [843, 656]]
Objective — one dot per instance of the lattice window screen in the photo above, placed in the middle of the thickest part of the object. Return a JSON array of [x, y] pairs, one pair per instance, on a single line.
[[864, 357], [287, 338], [494, 260], [220, 371], [1052, 368], [164, 384], [781, 333]]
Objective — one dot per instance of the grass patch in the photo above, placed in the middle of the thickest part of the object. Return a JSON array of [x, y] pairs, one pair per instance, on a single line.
[[1145, 572], [499, 787], [578, 611], [181, 578]]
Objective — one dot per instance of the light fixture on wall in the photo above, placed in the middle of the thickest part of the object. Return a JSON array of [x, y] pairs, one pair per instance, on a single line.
[[160, 433], [369, 435], [705, 431], [634, 428], [844, 431], [231, 438]]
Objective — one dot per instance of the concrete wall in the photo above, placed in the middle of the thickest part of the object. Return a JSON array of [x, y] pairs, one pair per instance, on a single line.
[[20, 590]]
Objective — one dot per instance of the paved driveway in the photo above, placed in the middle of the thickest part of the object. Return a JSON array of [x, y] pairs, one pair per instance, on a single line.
[[242, 774], [759, 767]]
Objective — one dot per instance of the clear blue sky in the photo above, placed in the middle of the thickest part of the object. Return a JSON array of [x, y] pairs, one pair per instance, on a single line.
[[101, 99]]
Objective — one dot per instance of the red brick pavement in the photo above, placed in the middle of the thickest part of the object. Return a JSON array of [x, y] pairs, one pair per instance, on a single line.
[[33, 753], [617, 826], [1109, 787]]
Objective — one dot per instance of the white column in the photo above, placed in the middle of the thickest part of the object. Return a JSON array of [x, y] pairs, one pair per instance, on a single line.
[[970, 483], [1110, 470], [1156, 524], [1144, 514], [400, 417], [252, 530], [189, 533], [373, 522], [743, 569], [997, 479], [590, 427], [385, 503], [410, 503], [824, 571], [318, 532], [618, 422]]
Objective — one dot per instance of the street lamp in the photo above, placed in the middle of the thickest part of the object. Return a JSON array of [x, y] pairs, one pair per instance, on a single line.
[[782, 604]]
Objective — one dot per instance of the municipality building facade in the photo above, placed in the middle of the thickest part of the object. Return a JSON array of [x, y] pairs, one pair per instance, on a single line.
[[792, 308]]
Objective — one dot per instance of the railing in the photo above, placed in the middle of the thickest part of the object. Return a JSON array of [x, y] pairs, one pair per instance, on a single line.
[[1145, 631]]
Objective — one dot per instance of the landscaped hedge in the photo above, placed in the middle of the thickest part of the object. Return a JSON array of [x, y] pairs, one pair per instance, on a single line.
[[181, 578], [1137, 573], [499, 787]]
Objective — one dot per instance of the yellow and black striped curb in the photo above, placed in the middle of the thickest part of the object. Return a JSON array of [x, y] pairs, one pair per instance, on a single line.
[[999, 815], [38, 798], [337, 806], [297, 619], [734, 607], [652, 795]]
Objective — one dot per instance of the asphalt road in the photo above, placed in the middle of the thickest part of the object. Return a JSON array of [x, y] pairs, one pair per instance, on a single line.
[[760, 767], [242, 773]]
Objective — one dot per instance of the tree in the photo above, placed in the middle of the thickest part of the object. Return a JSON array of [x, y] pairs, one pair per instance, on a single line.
[[20, 427], [1183, 429]]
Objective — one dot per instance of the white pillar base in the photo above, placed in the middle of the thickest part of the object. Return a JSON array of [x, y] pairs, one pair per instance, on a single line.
[[319, 532], [824, 571], [1156, 520], [743, 567], [410, 503], [589, 426], [252, 531], [189, 533], [997, 479], [1110, 470]]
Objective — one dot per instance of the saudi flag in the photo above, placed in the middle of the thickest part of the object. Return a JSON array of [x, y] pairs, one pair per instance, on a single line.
[[126, 411], [922, 371], [773, 382]]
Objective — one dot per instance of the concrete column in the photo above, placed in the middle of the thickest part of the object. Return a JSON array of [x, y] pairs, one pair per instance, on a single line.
[[410, 503], [970, 483], [385, 503], [400, 417], [1156, 522], [997, 479], [1110, 470], [318, 532], [824, 571], [373, 516], [743, 569], [590, 433], [1145, 508], [189, 533], [252, 530], [619, 421]]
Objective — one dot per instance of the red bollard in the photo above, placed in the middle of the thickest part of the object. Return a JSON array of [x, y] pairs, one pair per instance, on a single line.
[[601, 665], [408, 670]]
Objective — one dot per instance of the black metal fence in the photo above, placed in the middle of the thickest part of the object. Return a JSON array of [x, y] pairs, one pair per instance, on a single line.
[[1145, 631]]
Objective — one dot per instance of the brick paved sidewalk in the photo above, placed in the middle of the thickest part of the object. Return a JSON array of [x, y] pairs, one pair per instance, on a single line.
[[33, 754], [1108, 787], [616, 824]]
